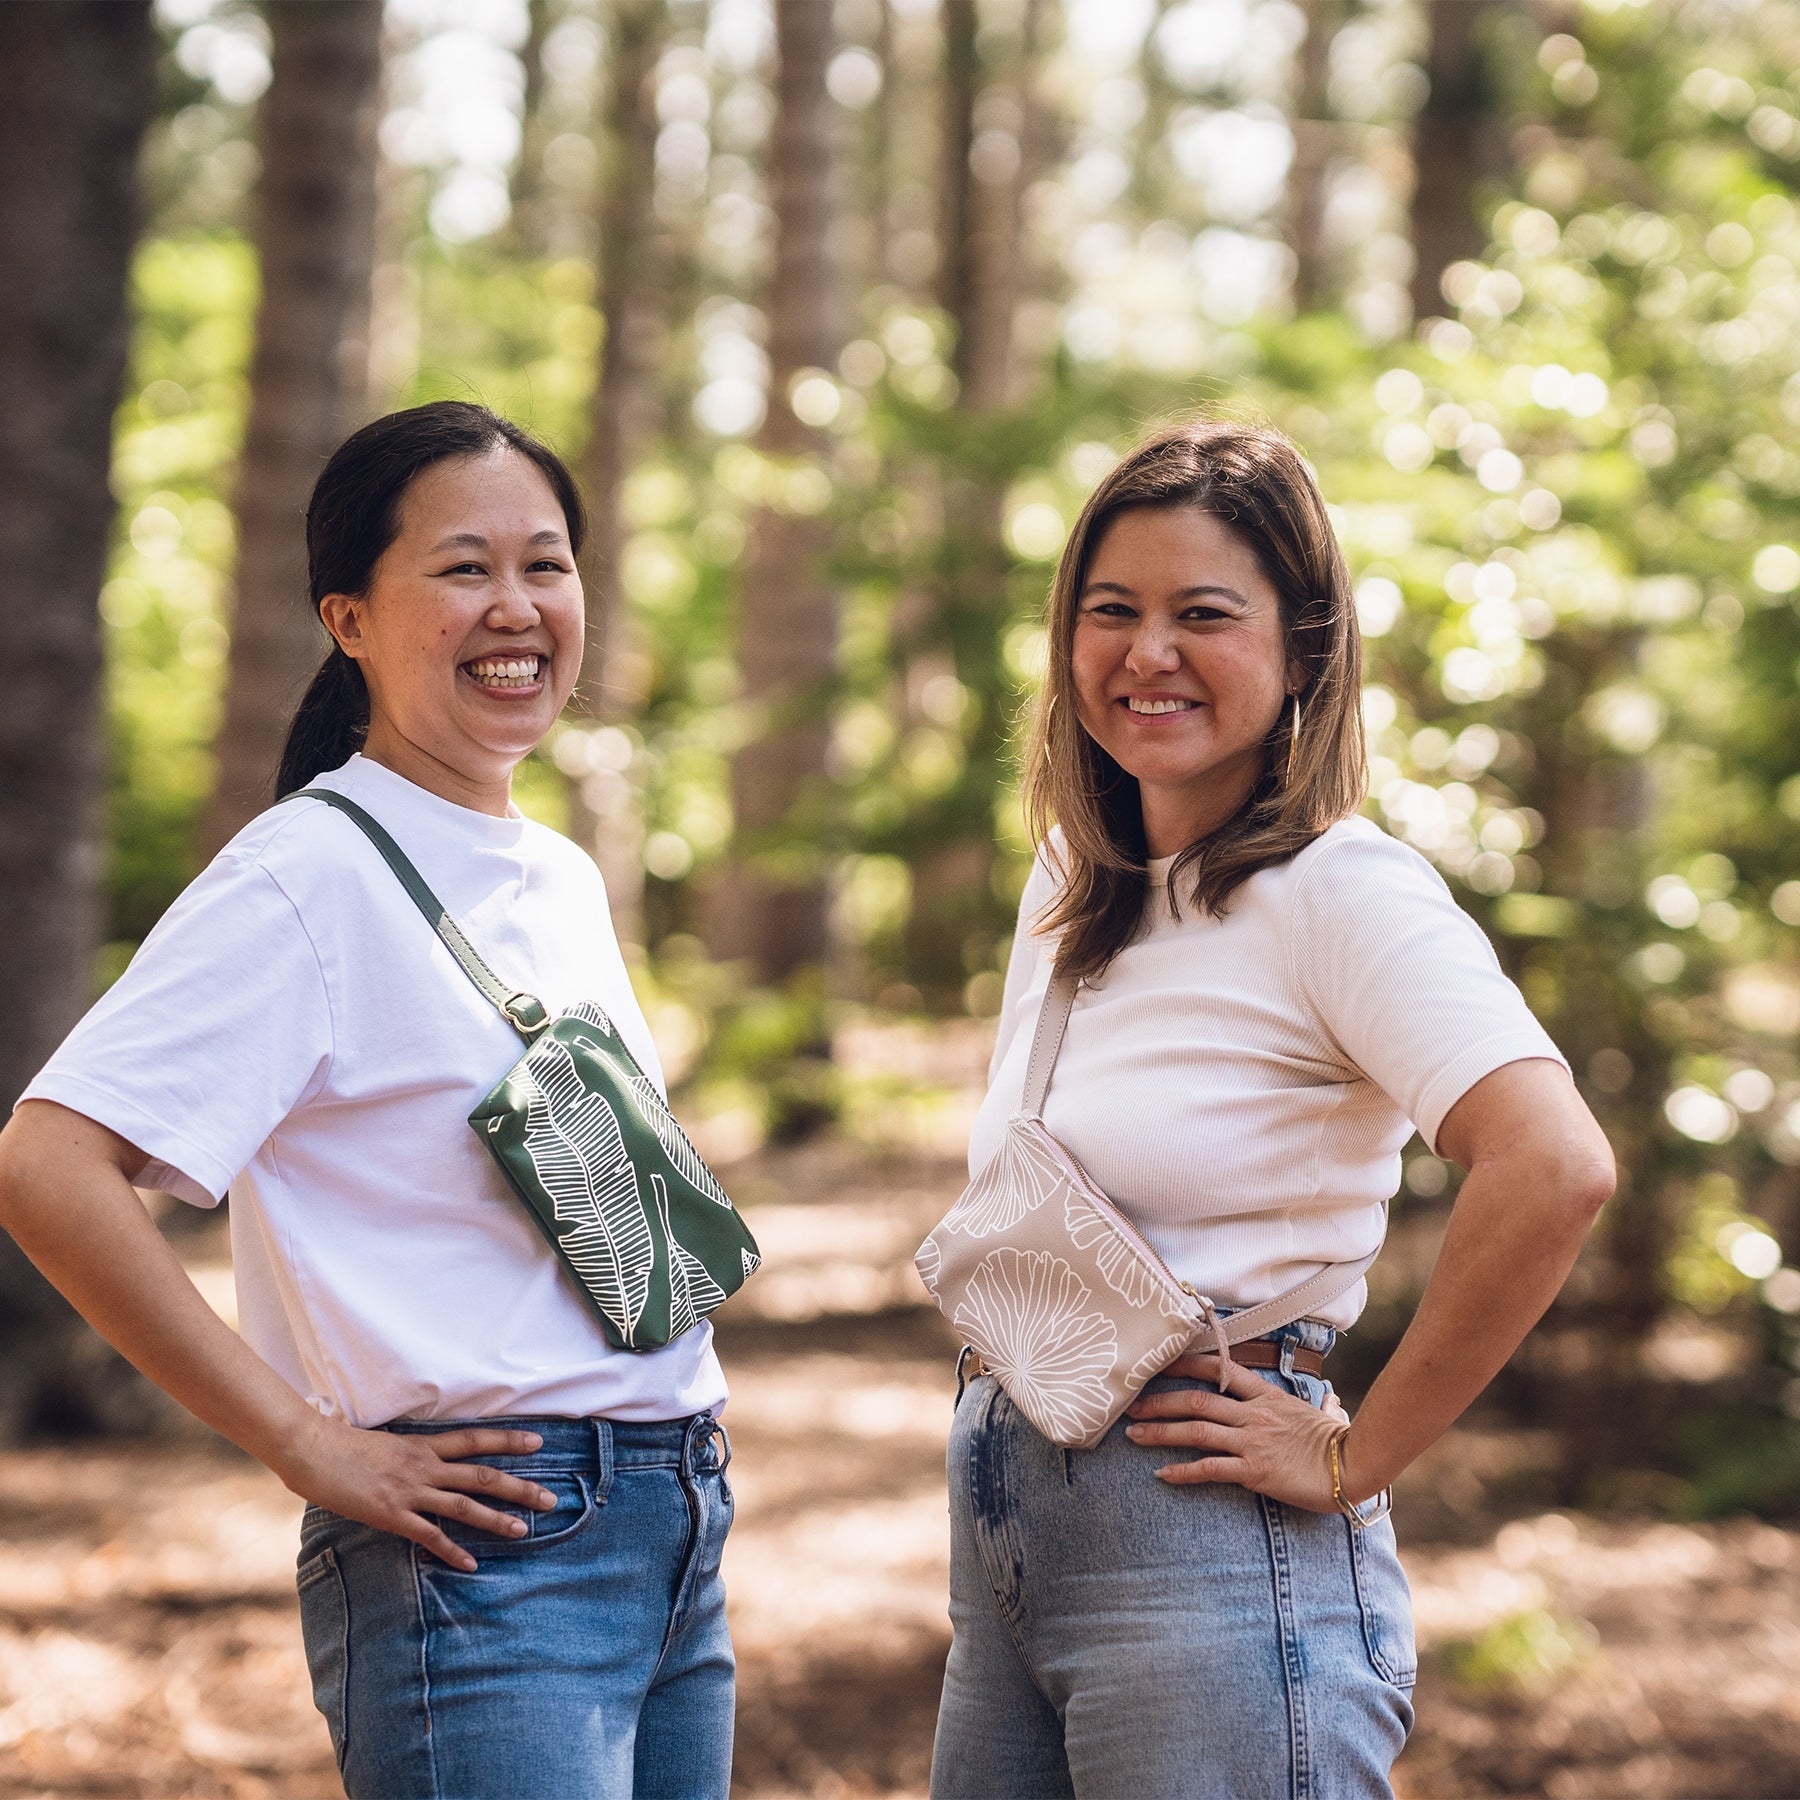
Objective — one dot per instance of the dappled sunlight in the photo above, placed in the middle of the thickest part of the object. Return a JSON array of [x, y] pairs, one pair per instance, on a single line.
[[841, 314], [148, 1631]]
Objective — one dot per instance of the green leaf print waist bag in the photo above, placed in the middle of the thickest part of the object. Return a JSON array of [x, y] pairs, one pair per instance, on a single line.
[[586, 1141]]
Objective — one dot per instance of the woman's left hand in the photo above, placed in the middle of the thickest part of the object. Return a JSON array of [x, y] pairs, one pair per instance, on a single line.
[[1253, 1434]]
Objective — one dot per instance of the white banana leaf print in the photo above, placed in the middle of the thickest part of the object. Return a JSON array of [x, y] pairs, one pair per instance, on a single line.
[[673, 1139], [1031, 1317], [589, 1014], [654, 1111], [573, 1139], [692, 1292], [1019, 1177]]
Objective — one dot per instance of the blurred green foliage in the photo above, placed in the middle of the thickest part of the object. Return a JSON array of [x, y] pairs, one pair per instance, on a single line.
[[1571, 505], [164, 600], [1525, 1652]]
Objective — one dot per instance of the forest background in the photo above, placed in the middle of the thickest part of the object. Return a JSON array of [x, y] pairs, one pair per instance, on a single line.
[[841, 309]]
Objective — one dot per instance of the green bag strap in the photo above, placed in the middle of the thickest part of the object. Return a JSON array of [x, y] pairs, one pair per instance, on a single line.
[[524, 1012]]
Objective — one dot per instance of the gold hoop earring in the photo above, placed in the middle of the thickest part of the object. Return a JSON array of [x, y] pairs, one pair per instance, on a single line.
[[1293, 739]]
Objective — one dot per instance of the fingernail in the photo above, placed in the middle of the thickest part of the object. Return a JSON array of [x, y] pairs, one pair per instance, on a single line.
[[517, 1527], [1133, 1431], [546, 1501]]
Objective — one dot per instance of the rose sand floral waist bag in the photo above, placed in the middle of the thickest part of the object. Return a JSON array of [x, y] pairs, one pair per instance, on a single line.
[[1067, 1305]]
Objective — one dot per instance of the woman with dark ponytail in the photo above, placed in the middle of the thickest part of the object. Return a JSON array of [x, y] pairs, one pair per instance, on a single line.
[[351, 520], [509, 1564]]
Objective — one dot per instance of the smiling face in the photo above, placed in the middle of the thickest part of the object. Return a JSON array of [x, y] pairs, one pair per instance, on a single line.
[[1180, 666], [470, 633]]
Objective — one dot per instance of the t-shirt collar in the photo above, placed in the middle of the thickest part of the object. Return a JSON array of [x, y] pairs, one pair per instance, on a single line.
[[362, 778]]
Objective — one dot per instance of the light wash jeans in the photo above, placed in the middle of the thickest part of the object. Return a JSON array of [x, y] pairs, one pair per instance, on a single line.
[[587, 1661], [1118, 1639]]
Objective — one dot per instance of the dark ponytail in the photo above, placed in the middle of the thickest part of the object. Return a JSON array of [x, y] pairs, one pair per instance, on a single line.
[[329, 725], [353, 516]]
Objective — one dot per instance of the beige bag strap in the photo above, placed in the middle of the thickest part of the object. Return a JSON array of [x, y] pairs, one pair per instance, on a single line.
[[1046, 1042], [1298, 1302], [1253, 1321]]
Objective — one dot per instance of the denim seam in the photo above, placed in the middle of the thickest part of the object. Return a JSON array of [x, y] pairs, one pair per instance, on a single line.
[[1379, 1660], [985, 1470], [986, 1535], [425, 1673], [687, 1478], [1292, 1663], [315, 1572]]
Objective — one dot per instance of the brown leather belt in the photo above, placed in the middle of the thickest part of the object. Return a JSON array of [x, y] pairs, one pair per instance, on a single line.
[[1258, 1353], [1265, 1353]]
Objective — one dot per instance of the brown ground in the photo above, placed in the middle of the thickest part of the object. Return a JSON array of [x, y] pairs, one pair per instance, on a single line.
[[149, 1647]]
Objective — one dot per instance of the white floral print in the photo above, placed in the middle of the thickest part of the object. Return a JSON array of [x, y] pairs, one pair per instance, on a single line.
[[1019, 1179], [1033, 1319]]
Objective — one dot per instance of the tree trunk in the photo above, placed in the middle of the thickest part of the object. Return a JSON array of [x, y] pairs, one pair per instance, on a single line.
[[1314, 141], [956, 200], [986, 168], [529, 229], [79, 89], [879, 147], [980, 291], [1455, 144], [315, 241], [772, 906], [633, 257]]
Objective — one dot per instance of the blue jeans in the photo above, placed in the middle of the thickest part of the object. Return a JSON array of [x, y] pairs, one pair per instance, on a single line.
[[587, 1661], [1118, 1637]]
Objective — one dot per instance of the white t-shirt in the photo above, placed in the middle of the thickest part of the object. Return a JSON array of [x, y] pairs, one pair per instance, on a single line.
[[1241, 1087], [293, 1031]]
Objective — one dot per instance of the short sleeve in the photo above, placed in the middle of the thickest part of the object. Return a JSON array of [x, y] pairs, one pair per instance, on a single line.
[[1028, 949], [216, 1031], [1402, 979]]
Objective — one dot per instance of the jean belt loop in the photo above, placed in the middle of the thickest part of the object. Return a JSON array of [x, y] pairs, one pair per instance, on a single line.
[[1290, 1342], [696, 1441], [706, 1450], [603, 1454]]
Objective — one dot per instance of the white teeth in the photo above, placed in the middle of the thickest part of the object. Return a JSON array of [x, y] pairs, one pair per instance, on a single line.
[[502, 671], [1159, 706]]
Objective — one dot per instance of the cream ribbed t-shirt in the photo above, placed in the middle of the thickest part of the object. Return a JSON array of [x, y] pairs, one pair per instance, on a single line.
[[1242, 1086]]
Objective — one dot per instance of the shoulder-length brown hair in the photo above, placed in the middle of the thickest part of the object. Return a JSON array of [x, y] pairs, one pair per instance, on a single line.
[[1253, 480]]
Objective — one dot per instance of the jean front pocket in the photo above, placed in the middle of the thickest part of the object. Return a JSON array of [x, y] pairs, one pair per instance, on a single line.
[[1385, 1601], [325, 1631], [575, 1505]]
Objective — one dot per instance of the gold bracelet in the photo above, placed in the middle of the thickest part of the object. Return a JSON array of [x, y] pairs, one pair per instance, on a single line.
[[1347, 1507]]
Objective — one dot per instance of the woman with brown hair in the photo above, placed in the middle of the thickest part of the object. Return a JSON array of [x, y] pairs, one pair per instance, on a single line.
[[1274, 994]]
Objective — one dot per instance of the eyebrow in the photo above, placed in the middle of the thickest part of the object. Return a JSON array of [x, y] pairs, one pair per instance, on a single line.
[[1186, 593], [473, 540]]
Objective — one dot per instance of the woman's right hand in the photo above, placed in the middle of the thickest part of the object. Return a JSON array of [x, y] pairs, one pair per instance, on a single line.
[[404, 1482], [66, 1200]]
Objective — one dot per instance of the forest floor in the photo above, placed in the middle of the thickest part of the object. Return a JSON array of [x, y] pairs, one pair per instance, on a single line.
[[149, 1646]]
